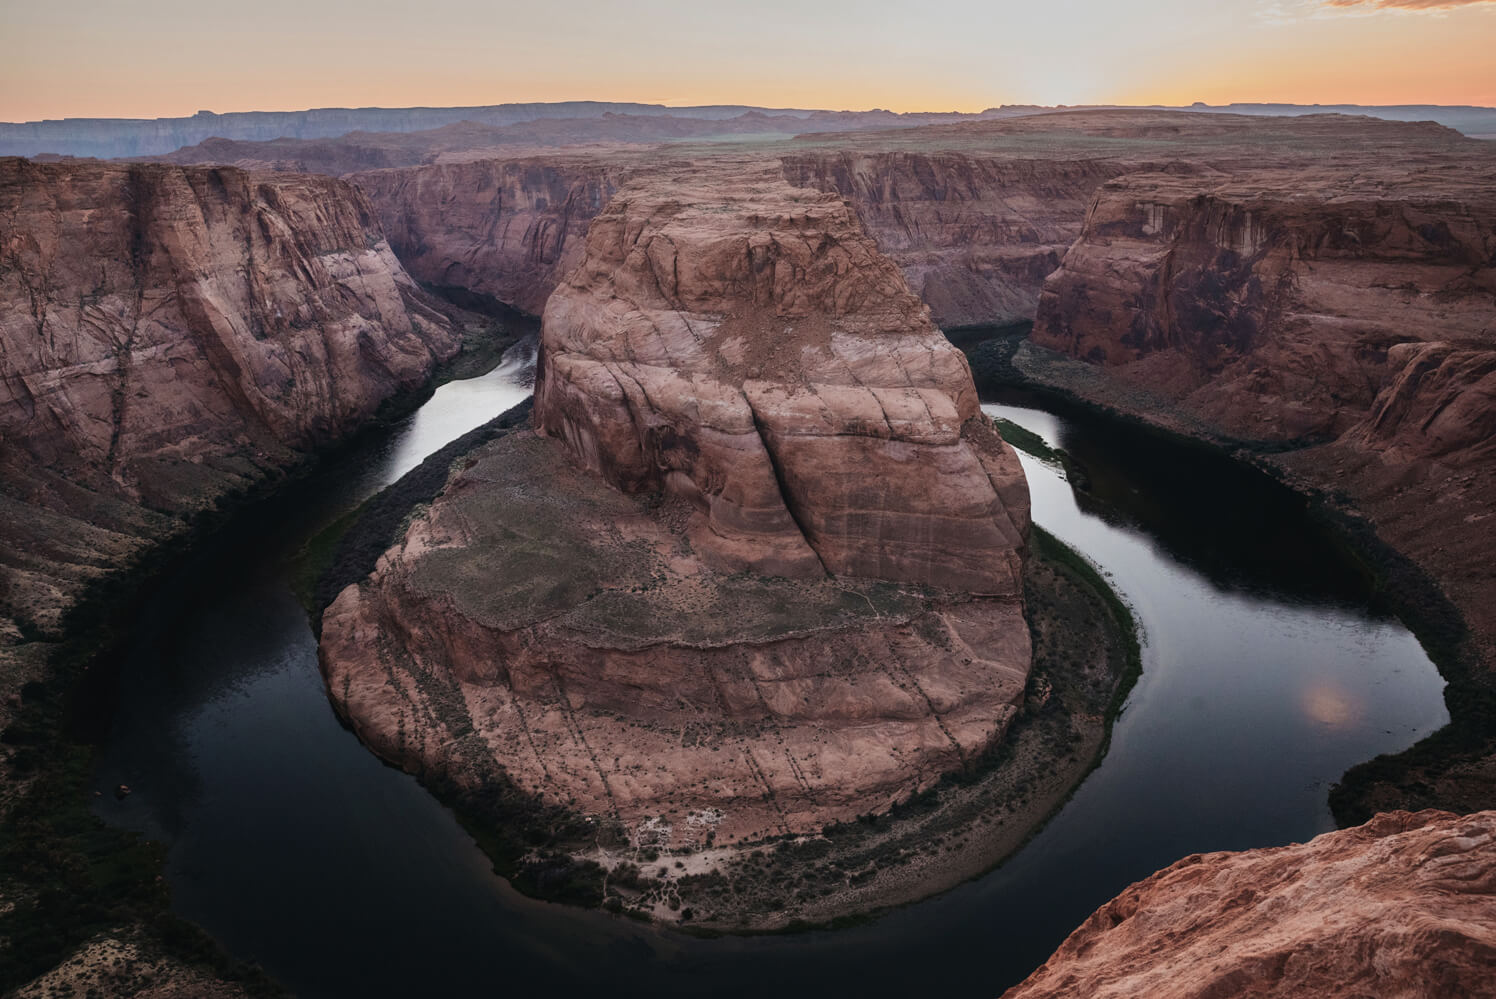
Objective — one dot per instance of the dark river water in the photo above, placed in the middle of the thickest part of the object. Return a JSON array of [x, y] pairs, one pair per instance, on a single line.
[[1267, 672]]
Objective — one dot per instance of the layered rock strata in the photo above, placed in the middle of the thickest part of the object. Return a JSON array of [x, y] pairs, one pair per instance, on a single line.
[[508, 229], [1402, 906], [974, 235], [168, 335], [762, 573], [1345, 317]]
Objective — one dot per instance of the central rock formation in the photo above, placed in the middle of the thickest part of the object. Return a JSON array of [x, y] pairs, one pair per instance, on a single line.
[[762, 574]]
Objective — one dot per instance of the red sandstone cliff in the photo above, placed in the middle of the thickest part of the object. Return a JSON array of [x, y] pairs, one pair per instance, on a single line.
[[974, 235], [1352, 309], [169, 334], [1404, 906], [750, 348], [733, 592], [509, 229], [1268, 303]]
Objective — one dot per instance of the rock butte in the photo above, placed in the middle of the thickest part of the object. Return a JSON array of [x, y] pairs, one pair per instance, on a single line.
[[168, 335], [1402, 906], [762, 574]]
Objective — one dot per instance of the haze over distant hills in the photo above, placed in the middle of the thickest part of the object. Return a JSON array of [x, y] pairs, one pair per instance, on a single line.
[[134, 137]]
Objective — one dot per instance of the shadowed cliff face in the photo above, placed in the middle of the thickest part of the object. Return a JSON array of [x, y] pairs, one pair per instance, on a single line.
[[975, 236], [762, 575], [1347, 314], [750, 348], [168, 335], [1404, 905], [507, 229]]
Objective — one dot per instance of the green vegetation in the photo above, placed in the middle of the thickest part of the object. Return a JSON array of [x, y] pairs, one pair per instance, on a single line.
[[1026, 440], [1050, 548]]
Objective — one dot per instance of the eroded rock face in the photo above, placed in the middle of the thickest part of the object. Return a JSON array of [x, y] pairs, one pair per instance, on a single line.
[[510, 229], [761, 575], [170, 334], [1344, 316], [1268, 303], [975, 236], [756, 354], [1402, 906]]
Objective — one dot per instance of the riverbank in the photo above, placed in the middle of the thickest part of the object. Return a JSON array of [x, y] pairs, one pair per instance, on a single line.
[[1453, 769], [1086, 658], [71, 884]]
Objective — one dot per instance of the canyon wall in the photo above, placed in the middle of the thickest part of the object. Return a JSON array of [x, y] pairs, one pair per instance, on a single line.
[[168, 335], [974, 235], [1402, 906], [1344, 320], [1271, 304], [509, 229], [762, 574]]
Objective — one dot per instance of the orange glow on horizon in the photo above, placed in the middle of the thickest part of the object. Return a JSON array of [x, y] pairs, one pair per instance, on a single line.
[[167, 58]]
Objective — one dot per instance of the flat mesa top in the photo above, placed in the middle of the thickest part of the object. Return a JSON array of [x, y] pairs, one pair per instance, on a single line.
[[523, 536]]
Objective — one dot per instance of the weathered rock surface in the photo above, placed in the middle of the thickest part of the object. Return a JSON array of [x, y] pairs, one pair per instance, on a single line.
[[978, 214], [1348, 314], [1273, 303], [168, 335], [754, 352], [762, 576], [509, 229], [975, 235], [1402, 906]]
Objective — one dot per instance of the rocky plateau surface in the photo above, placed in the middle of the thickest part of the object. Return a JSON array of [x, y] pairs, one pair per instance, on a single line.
[[170, 335], [1402, 906], [761, 573]]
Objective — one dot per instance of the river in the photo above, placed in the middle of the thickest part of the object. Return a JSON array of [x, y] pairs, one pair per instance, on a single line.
[[1268, 670]]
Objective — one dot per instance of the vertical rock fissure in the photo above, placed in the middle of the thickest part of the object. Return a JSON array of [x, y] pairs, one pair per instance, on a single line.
[[783, 483]]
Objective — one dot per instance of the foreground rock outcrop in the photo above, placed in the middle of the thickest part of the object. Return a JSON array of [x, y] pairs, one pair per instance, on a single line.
[[169, 335], [1402, 906], [762, 574]]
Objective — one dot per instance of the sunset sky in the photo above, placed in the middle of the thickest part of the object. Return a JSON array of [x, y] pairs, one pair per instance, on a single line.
[[150, 58]]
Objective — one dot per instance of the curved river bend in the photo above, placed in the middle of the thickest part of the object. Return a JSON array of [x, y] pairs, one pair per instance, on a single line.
[[1267, 673]]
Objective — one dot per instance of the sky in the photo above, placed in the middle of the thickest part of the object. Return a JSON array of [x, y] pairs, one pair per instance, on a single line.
[[163, 58]]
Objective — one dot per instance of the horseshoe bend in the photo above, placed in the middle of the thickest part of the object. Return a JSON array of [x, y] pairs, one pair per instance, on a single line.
[[754, 568], [861, 504]]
